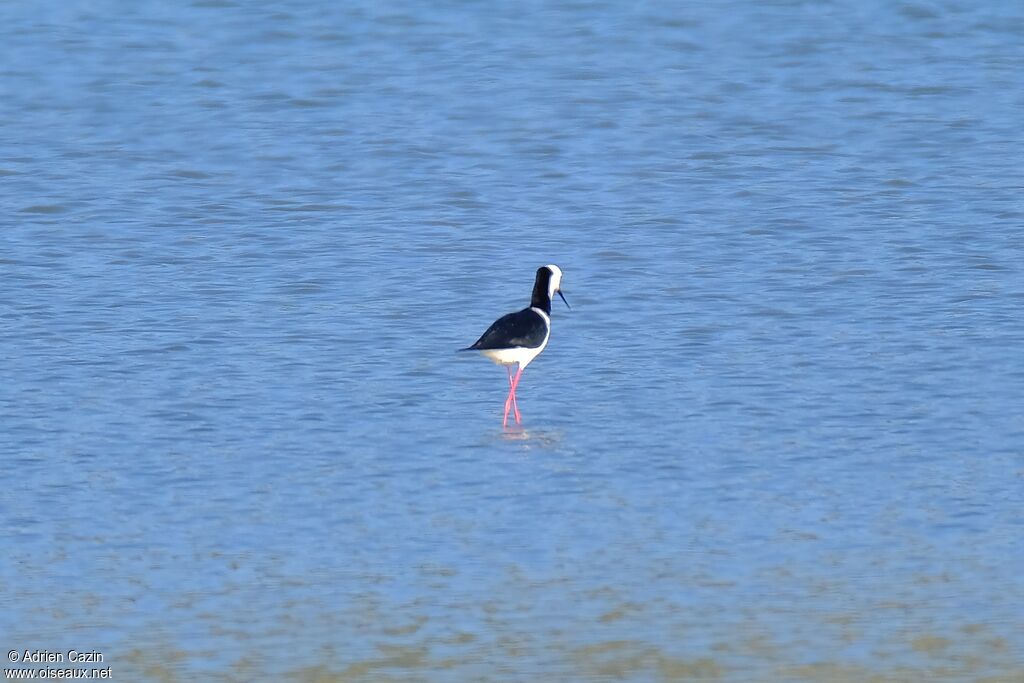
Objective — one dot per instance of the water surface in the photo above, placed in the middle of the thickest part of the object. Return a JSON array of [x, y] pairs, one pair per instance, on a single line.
[[777, 438]]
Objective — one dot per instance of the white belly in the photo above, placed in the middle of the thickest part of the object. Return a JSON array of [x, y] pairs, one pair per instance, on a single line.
[[519, 354]]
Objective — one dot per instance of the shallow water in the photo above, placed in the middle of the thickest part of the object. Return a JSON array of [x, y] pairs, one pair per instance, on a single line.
[[777, 438]]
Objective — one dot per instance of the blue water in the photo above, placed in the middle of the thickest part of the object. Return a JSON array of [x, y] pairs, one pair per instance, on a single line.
[[777, 438]]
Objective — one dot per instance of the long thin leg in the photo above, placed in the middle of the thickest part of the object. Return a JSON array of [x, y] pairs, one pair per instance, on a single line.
[[510, 399], [515, 408], [512, 393], [515, 383]]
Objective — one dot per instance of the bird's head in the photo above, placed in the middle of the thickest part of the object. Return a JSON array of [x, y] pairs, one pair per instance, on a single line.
[[554, 281]]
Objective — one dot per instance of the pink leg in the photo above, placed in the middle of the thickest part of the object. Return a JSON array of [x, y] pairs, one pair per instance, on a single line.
[[512, 393], [515, 383], [510, 399]]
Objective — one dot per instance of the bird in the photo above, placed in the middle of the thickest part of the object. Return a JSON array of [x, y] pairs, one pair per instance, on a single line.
[[518, 338]]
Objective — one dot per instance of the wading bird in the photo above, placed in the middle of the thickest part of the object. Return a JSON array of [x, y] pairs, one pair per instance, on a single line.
[[518, 338]]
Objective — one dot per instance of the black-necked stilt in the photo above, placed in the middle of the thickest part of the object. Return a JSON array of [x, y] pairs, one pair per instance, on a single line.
[[518, 338]]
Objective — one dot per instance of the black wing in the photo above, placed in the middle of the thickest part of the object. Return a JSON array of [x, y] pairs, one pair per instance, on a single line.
[[523, 328]]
